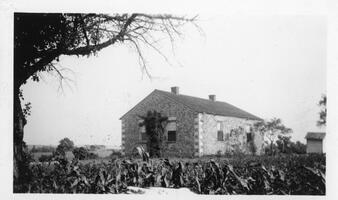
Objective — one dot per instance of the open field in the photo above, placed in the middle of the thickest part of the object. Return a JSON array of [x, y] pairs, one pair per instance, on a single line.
[[102, 153], [288, 174]]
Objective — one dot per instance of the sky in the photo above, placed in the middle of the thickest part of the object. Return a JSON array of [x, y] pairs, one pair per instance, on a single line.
[[268, 65]]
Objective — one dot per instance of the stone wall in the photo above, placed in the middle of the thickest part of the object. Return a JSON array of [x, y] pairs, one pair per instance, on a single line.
[[236, 142], [184, 145]]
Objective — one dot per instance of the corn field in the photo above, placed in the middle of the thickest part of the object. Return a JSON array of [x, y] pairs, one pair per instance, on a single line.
[[282, 175]]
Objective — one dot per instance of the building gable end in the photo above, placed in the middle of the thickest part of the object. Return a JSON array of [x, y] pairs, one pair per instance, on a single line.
[[159, 94]]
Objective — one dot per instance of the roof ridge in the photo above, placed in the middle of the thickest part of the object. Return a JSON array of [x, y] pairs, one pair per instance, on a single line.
[[176, 100], [154, 92], [168, 94], [200, 105], [201, 99]]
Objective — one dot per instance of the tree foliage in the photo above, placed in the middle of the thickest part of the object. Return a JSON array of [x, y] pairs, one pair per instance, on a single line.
[[42, 149], [322, 113], [65, 145], [41, 38], [45, 158], [80, 153], [285, 145], [272, 129], [154, 125]]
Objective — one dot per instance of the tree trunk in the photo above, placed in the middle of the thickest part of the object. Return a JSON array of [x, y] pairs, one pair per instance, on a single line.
[[271, 148], [19, 122]]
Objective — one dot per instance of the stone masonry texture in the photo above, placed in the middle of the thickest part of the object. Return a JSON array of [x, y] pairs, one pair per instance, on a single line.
[[196, 133], [209, 145], [184, 145]]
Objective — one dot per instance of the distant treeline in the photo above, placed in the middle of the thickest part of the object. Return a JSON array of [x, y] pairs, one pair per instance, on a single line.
[[42, 149], [94, 147], [46, 148]]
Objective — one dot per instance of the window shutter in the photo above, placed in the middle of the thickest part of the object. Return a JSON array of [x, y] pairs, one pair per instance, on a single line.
[[220, 135]]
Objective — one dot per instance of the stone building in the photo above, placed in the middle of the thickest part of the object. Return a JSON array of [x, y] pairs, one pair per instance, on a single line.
[[195, 126], [314, 142]]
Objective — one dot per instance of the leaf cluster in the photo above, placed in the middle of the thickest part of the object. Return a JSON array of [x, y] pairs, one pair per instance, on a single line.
[[41, 38], [293, 174], [154, 124], [323, 111]]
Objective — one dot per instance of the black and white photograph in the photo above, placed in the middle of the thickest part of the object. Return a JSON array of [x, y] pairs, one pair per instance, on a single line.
[[223, 101]]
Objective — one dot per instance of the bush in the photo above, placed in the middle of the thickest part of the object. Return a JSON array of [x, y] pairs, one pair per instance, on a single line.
[[80, 153], [252, 148], [66, 144], [59, 152], [286, 146], [45, 158], [92, 155], [116, 153], [219, 154], [298, 148]]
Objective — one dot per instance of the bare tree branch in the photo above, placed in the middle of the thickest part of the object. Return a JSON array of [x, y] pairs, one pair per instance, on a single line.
[[90, 33], [142, 60]]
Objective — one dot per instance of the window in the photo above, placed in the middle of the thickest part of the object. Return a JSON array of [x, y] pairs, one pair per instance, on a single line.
[[142, 131], [226, 133], [249, 134], [171, 129], [171, 136], [220, 135], [219, 131], [248, 137]]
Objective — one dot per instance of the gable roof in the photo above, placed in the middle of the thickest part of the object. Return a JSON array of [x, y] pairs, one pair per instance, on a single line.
[[200, 105], [210, 107], [315, 135]]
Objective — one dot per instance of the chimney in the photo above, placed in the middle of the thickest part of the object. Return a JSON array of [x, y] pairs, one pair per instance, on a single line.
[[212, 97], [175, 90]]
